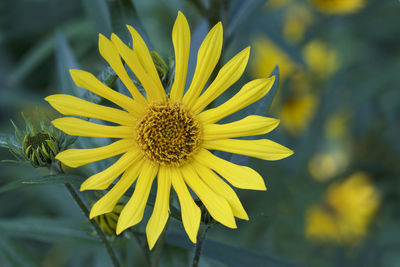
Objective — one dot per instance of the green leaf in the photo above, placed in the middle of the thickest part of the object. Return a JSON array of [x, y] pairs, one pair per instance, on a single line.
[[49, 179], [7, 139], [108, 76], [11, 254], [99, 15], [65, 60], [229, 255], [240, 13], [44, 48], [44, 229], [20, 162], [262, 106]]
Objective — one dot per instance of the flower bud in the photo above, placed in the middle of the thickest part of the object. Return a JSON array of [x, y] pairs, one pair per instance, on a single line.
[[108, 221], [40, 149]]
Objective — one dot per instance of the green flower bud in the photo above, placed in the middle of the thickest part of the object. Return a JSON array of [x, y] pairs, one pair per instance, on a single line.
[[161, 66], [40, 149], [108, 221]]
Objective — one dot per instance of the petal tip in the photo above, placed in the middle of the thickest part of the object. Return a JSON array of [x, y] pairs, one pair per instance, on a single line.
[[48, 98]]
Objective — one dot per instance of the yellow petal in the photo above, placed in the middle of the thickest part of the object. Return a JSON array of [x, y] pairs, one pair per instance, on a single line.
[[216, 205], [89, 82], [222, 189], [250, 93], [207, 58], [77, 157], [181, 41], [239, 176], [103, 179], [263, 149], [251, 125], [143, 53], [227, 76], [107, 203], [133, 211], [132, 59], [78, 127], [160, 214], [74, 106], [110, 53], [191, 213]]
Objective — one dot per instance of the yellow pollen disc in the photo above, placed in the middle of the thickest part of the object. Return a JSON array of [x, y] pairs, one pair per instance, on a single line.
[[168, 134]]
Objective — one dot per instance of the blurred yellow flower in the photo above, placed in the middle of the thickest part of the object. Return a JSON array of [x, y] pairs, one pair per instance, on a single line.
[[277, 3], [297, 19], [296, 113], [335, 158], [167, 137], [267, 55], [338, 6], [324, 166], [298, 107], [337, 125], [346, 213], [320, 59]]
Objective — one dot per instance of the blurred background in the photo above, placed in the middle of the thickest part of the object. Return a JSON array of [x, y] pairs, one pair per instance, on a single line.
[[335, 202]]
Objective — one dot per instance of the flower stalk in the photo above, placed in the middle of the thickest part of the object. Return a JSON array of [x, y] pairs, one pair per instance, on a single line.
[[85, 210], [201, 236]]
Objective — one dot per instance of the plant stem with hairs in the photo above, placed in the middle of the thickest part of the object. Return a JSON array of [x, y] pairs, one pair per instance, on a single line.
[[201, 236], [75, 196]]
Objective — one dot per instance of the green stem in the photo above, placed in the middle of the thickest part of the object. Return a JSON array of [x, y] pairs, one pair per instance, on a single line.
[[201, 236], [158, 248], [96, 227], [85, 210], [142, 245]]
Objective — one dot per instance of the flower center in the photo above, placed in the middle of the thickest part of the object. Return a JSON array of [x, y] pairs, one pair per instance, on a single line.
[[168, 134]]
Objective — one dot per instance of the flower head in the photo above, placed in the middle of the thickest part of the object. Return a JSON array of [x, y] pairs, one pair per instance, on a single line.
[[349, 207], [167, 137], [338, 6], [268, 55]]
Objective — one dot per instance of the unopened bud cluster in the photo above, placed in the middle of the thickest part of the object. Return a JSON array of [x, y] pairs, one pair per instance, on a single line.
[[38, 146], [40, 149], [108, 221]]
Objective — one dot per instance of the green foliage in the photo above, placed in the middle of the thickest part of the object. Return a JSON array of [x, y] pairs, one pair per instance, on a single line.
[[40, 224], [42, 180], [45, 229]]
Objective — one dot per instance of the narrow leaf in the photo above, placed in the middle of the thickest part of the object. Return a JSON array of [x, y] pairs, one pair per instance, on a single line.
[[99, 15], [240, 13], [7, 139], [229, 255], [49, 179], [11, 254], [44, 229], [65, 60]]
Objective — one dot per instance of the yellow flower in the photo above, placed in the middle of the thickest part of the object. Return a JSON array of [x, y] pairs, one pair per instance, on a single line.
[[336, 127], [298, 108], [326, 165], [297, 19], [167, 137], [296, 113], [338, 6], [321, 60], [347, 211], [277, 3], [267, 56]]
